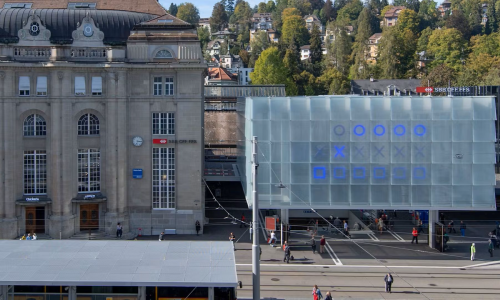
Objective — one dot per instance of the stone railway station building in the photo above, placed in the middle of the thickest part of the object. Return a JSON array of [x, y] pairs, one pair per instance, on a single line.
[[101, 116]]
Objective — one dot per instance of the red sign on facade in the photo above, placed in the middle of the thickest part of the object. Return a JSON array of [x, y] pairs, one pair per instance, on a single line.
[[425, 89], [160, 141]]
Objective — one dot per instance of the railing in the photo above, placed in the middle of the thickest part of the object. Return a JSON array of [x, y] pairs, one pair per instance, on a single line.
[[88, 53], [220, 106], [235, 91], [32, 52]]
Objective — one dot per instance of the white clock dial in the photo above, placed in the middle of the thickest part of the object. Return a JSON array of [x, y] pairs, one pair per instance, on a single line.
[[137, 141], [87, 30]]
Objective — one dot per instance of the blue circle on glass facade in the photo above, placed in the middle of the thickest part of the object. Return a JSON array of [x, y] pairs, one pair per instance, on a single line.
[[379, 133], [401, 132], [355, 130], [337, 128], [422, 130]]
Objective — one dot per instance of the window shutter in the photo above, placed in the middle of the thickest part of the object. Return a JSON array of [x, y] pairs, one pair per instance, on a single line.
[[79, 85], [41, 85], [24, 83], [96, 85]]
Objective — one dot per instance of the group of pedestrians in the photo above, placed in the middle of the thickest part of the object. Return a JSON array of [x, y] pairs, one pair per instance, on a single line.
[[316, 292], [322, 243], [29, 237]]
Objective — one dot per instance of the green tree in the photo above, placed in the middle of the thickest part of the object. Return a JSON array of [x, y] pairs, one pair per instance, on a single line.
[[428, 14], [204, 37], [172, 9], [334, 82], [360, 68], [262, 8], [230, 6], [219, 19], [327, 12], [245, 57], [259, 43], [458, 21], [491, 24], [304, 6], [408, 20], [423, 40], [340, 50], [270, 6], [269, 69], [387, 54], [350, 12], [291, 59], [492, 77], [315, 52], [410, 4], [294, 27], [223, 49], [339, 4], [446, 46], [188, 12], [242, 13], [472, 9], [291, 11], [488, 44], [441, 76]]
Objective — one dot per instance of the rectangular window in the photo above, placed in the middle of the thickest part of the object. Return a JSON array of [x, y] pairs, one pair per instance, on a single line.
[[96, 86], [163, 178], [163, 123], [41, 86], [35, 172], [89, 170], [24, 86], [80, 86], [169, 86], [157, 87]]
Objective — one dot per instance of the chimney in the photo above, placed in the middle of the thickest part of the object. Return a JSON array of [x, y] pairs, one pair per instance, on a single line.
[[372, 79]]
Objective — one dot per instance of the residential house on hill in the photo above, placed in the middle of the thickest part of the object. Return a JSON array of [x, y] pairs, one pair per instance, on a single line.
[[213, 47], [205, 23], [271, 35], [444, 7], [262, 21], [391, 16], [388, 87], [311, 20], [305, 51], [225, 35], [231, 61], [373, 42], [220, 76]]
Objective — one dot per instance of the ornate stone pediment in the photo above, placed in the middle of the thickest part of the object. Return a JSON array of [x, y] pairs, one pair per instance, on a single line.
[[88, 31], [34, 30]]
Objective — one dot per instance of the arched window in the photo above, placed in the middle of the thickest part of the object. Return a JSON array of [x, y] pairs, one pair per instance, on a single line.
[[164, 54], [35, 125], [88, 125]]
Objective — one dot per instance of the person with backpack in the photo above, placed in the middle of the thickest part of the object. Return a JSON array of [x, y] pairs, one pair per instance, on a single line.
[[313, 245], [316, 293], [388, 282], [286, 248]]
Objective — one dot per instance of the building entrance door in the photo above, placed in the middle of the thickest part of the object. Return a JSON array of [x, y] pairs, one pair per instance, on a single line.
[[89, 217], [35, 219]]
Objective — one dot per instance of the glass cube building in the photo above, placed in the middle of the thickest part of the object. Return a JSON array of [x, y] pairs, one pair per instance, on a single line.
[[356, 152]]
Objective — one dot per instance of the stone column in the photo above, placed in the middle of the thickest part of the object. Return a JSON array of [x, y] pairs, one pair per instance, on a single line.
[[122, 146], [72, 293], [433, 218], [211, 295], [4, 292], [10, 152], [142, 293], [111, 162]]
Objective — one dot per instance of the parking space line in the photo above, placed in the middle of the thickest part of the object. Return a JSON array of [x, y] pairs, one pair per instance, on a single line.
[[373, 237], [396, 236], [332, 253]]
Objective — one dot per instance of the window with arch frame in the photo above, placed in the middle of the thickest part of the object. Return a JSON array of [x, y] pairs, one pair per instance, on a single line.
[[88, 124], [164, 54], [34, 125]]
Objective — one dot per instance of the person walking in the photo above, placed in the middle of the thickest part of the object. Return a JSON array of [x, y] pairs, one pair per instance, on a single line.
[[491, 247], [322, 244], [232, 238], [160, 238], [462, 228], [313, 245], [316, 292], [337, 223], [420, 227], [388, 282], [272, 239], [34, 237], [242, 223], [119, 230], [473, 251], [23, 238], [381, 225], [198, 227], [451, 227], [415, 235], [28, 238], [286, 248], [346, 227], [328, 296]]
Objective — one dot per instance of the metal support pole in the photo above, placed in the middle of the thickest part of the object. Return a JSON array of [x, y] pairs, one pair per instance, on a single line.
[[255, 220]]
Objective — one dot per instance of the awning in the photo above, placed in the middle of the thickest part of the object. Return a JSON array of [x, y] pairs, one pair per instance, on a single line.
[[33, 201], [89, 198]]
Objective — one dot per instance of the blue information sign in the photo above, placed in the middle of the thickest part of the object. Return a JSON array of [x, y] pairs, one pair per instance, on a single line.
[[137, 173]]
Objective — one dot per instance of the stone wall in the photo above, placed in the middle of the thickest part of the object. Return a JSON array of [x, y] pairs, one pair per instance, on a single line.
[[220, 126]]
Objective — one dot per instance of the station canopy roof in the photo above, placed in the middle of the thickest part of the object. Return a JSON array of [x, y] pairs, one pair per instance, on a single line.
[[117, 263]]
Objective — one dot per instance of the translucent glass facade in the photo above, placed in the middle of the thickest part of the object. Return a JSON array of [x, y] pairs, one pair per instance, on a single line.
[[362, 152]]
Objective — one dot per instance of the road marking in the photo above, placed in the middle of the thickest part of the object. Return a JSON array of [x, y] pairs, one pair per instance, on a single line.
[[330, 251], [348, 266], [373, 237], [396, 236], [483, 264]]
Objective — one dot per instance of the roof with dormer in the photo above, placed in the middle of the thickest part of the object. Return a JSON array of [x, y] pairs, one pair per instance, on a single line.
[[394, 11], [143, 6], [116, 25]]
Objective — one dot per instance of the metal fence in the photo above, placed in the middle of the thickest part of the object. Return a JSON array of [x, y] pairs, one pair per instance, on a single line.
[[235, 91]]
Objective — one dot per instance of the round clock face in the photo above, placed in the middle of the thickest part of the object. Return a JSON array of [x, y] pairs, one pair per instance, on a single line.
[[87, 30], [137, 141], [34, 29]]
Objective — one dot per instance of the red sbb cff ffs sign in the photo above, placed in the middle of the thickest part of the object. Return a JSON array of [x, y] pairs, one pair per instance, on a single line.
[[425, 89], [166, 141]]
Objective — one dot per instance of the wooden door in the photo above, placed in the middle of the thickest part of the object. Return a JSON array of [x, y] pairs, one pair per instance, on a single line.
[[89, 217], [30, 219]]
